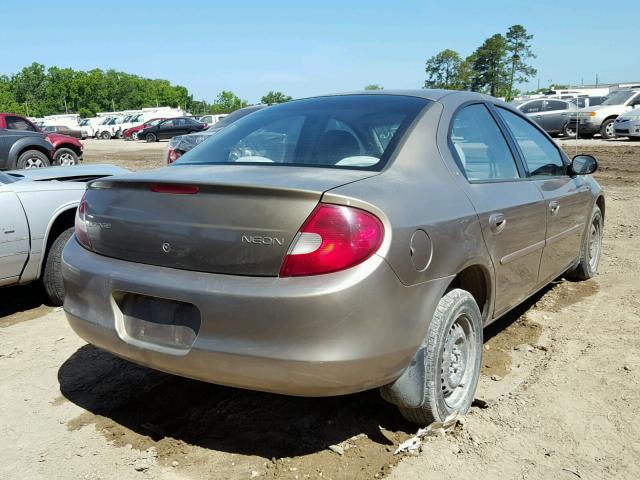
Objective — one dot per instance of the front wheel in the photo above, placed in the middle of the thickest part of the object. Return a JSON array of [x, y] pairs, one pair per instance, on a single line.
[[105, 135], [150, 138], [32, 159], [591, 249], [52, 275], [65, 157], [451, 356], [607, 130]]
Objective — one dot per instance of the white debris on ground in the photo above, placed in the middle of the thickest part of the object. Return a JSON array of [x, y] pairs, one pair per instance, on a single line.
[[436, 429]]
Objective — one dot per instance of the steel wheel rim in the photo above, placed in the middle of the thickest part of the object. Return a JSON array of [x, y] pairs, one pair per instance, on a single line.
[[595, 243], [66, 159], [34, 162], [134, 135], [458, 362]]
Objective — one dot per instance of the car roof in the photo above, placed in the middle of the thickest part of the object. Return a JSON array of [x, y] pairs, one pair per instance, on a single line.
[[435, 95]]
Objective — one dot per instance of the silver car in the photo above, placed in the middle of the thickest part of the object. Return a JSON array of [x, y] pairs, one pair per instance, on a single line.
[[335, 244], [37, 211]]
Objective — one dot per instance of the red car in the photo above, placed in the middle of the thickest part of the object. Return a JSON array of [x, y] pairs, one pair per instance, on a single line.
[[67, 150], [132, 133]]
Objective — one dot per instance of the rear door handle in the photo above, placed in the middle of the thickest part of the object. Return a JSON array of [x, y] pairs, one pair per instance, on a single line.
[[554, 207], [497, 222]]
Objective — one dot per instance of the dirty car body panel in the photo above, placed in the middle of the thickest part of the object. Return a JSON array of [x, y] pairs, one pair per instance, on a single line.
[[185, 268]]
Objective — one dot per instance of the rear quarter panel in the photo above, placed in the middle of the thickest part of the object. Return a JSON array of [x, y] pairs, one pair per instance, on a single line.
[[42, 205], [417, 192]]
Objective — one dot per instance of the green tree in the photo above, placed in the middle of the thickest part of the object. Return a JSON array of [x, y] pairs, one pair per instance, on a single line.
[[275, 97], [488, 64], [444, 71], [374, 86], [519, 52], [227, 102]]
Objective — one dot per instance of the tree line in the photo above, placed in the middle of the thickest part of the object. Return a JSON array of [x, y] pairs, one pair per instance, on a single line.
[[37, 91], [495, 67]]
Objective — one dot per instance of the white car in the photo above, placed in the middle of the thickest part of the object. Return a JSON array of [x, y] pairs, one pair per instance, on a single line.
[[88, 126], [128, 122], [212, 119], [37, 212], [588, 121], [628, 124]]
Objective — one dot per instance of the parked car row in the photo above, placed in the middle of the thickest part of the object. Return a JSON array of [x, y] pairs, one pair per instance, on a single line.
[[586, 116]]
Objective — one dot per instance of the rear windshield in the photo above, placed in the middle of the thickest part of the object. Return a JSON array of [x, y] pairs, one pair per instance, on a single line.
[[350, 131]]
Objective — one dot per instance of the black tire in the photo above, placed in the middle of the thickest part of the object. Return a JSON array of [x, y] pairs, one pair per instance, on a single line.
[[105, 135], [150, 138], [119, 134], [134, 136], [65, 156], [606, 129], [568, 132], [591, 249], [457, 314], [52, 275], [32, 159]]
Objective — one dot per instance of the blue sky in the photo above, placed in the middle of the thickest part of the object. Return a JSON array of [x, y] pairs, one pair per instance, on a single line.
[[306, 48]]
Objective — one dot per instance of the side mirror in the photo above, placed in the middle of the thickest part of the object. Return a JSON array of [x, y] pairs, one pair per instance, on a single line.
[[583, 165]]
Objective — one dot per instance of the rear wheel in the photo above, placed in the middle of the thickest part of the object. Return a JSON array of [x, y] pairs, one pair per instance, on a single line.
[[119, 134], [607, 129], [451, 354], [150, 138], [569, 132], [32, 159], [52, 276], [65, 157], [591, 249]]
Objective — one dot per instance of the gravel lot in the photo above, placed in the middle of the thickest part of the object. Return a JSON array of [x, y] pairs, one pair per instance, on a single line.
[[564, 402]]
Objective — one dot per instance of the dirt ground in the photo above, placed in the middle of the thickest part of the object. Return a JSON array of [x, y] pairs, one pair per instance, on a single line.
[[559, 393]]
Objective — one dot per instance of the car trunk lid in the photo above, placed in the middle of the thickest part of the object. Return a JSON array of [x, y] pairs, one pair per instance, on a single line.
[[232, 219]]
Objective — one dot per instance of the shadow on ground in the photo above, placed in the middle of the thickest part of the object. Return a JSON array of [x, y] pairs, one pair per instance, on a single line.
[[159, 405], [22, 302]]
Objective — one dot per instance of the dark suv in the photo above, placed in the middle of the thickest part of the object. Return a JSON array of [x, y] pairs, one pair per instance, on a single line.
[[24, 149], [66, 150]]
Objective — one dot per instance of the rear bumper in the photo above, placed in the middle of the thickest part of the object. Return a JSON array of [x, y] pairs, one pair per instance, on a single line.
[[310, 336], [584, 127]]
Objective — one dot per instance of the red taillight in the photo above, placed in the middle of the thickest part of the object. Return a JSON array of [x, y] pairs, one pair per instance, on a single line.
[[174, 188], [172, 155], [333, 238], [81, 224]]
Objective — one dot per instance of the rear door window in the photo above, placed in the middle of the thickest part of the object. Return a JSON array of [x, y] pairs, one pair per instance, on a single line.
[[540, 154], [551, 105], [480, 147]]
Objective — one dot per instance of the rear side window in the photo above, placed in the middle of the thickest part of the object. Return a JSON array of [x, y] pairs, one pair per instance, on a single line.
[[552, 105], [540, 154], [480, 146], [343, 131], [17, 123]]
